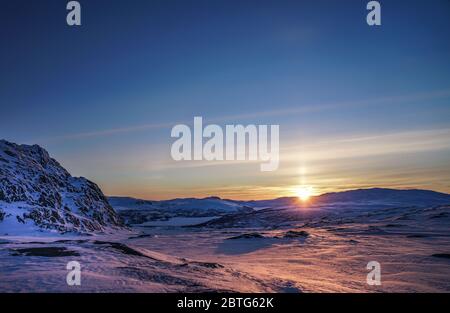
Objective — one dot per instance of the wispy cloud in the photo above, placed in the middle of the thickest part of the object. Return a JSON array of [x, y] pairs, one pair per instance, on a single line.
[[300, 109], [372, 145]]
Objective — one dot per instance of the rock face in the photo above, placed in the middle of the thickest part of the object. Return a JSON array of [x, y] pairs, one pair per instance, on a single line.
[[37, 193]]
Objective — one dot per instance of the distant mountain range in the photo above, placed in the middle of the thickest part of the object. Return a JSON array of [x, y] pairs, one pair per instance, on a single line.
[[136, 211], [212, 204], [413, 197], [371, 196]]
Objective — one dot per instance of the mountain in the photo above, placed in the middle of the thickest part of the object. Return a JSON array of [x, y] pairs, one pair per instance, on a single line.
[[213, 204], [377, 197], [289, 210], [274, 211], [136, 211], [404, 197], [37, 193]]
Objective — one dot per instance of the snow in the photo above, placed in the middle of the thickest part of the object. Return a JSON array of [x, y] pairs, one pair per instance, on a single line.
[[331, 258], [37, 193], [180, 221], [176, 205]]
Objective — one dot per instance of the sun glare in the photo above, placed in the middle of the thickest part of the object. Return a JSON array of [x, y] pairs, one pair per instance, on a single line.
[[304, 192]]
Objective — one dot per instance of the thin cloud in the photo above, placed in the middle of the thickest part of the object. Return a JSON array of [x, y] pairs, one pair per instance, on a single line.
[[438, 94]]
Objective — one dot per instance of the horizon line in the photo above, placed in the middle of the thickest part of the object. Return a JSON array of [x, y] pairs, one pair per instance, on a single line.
[[283, 197]]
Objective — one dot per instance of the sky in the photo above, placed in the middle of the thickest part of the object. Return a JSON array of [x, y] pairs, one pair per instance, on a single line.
[[357, 106]]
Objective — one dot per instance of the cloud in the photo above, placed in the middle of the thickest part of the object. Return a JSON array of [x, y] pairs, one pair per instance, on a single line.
[[372, 145], [300, 109]]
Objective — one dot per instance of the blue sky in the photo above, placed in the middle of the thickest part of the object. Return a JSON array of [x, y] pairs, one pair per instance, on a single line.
[[101, 97]]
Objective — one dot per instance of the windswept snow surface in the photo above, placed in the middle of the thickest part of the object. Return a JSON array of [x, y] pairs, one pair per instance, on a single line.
[[114, 266], [283, 250], [328, 252]]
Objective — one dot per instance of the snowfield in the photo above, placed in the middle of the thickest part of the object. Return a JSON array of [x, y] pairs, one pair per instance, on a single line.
[[320, 251]]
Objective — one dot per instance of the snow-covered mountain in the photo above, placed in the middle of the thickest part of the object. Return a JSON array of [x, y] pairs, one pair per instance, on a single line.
[[136, 211], [372, 197], [287, 210], [397, 197], [37, 193], [272, 212], [214, 204]]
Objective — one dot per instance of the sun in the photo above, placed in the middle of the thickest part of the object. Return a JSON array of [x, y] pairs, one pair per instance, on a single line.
[[304, 192]]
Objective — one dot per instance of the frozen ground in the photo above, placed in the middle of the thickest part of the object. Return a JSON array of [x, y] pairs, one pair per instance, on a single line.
[[272, 250]]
